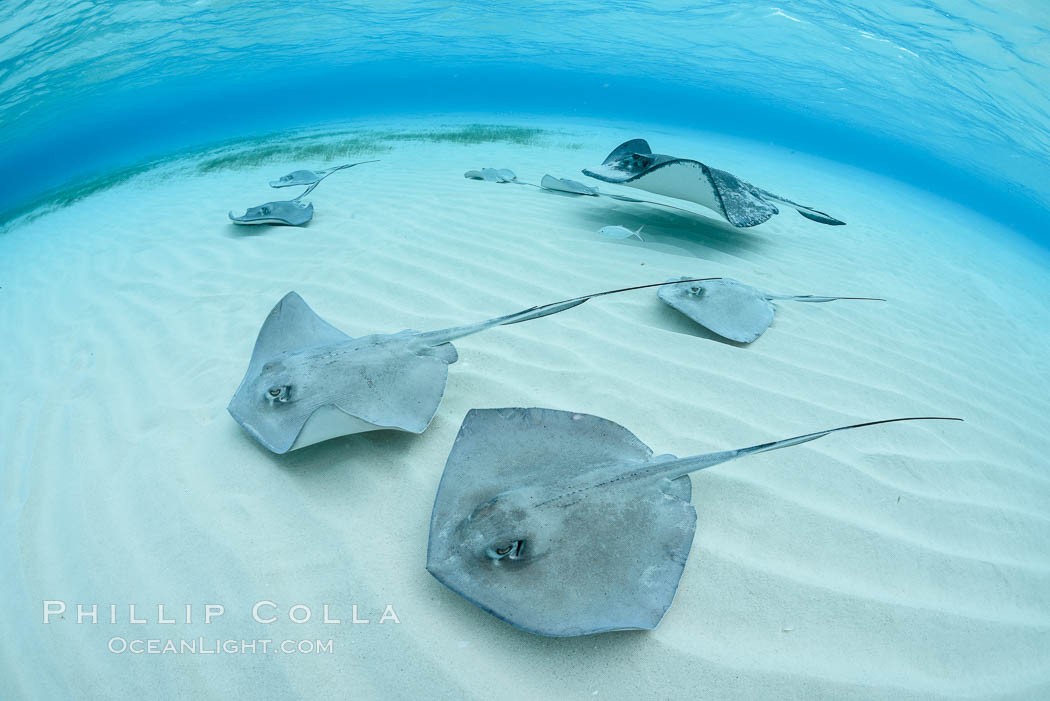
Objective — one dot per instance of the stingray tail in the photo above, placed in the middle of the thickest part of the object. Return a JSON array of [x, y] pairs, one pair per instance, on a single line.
[[434, 338], [818, 298], [684, 466], [808, 212], [313, 186], [348, 165]]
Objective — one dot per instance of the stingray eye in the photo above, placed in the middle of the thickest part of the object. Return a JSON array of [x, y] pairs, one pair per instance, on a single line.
[[696, 290], [278, 393], [512, 549]]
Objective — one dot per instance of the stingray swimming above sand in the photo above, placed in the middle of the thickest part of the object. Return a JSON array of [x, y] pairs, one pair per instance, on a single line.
[[633, 164], [730, 308], [566, 524], [307, 381]]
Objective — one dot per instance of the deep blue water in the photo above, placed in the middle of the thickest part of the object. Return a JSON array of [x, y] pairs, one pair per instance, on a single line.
[[949, 95]]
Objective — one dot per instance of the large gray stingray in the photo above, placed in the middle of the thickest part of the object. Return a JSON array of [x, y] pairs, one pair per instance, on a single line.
[[283, 213], [566, 524], [307, 381], [633, 163], [310, 177], [730, 308], [286, 212]]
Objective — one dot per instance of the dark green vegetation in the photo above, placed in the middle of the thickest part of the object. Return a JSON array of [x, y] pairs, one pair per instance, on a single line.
[[320, 147], [325, 148]]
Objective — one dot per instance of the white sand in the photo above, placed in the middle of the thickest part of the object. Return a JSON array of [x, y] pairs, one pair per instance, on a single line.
[[907, 561]]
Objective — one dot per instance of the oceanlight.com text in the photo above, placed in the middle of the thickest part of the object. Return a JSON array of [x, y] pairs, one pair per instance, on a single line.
[[214, 646]]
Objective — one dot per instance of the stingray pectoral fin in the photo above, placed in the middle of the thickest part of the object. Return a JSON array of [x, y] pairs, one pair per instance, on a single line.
[[292, 325], [330, 422], [700, 462], [741, 204], [400, 391], [626, 149]]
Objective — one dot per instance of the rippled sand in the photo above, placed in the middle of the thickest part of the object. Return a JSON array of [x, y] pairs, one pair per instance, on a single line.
[[905, 561]]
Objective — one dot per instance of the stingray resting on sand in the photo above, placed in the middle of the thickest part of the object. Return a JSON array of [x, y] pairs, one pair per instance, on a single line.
[[312, 177], [283, 213], [730, 308], [289, 212], [286, 212], [633, 164], [566, 524], [307, 381]]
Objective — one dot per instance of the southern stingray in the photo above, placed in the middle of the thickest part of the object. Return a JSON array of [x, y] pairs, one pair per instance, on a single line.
[[286, 212], [311, 177], [566, 524], [633, 164], [290, 212], [730, 308], [307, 381]]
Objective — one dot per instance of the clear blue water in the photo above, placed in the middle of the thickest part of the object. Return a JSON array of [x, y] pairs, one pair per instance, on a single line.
[[950, 95]]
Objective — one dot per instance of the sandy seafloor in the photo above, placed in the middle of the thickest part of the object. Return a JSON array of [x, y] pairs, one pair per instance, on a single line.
[[905, 561]]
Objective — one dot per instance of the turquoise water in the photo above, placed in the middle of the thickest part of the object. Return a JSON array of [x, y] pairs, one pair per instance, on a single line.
[[903, 561], [948, 95]]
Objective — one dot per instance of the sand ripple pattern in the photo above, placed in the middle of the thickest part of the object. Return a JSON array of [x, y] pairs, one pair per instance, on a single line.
[[905, 562]]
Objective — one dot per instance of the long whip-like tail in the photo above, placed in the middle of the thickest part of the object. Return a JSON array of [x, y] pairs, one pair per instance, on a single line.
[[310, 188], [821, 298], [433, 338], [683, 466]]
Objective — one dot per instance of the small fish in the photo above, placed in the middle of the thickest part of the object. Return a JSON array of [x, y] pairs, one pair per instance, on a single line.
[[621, 232]]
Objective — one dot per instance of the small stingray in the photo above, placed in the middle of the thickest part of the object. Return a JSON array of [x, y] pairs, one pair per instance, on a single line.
[[307, 381], [562, 186], [621, 232], [732, 309], [311, 177], [566, 524], [495, 175], [573, 187], [285, 212], [633, 164]]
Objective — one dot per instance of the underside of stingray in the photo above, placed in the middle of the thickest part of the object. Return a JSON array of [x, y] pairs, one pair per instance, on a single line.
[[633, 164]]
